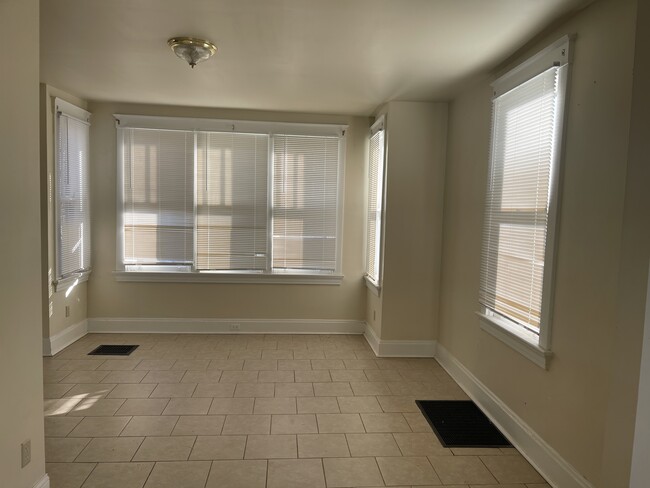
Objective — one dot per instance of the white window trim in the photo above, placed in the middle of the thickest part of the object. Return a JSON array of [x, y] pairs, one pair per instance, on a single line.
[[535, 347], [121, 272], [372, 285], [72, 111]]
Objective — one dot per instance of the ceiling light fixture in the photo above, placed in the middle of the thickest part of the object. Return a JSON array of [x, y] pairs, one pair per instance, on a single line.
[[191, 49]]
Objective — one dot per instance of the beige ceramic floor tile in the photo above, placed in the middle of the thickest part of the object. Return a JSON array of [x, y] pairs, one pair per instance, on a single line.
[[383, 375], [219, 447], [420, 444], [477, 451], [295, 473], [110, 449], [100, 427], [124, 377], [239, 377], [417, 422], [219, 390], [176, 474], [362, 445], [226, 364], [260, 365], [94, 408], [232, 406], [360, 364], [156, 425], [318, 405], [359, 404], [327, 364], [385, 422], [277, 354], [271, 447], [165, 449], [294, 424], [294, 364], [313, 376], [255, 390], [276, 377], [369, 388], [68, 475], [199, 425], [407, 471], [191, 364], [351, 472], [165, 377], [247, 424], [78, 377], [188, 406], [63, 449], [90, 390], [341, 423], [347, 375], [398, 404], [332, 389], [237, 474], [54, 376], [461, 469], [143, 406], [173, 390], [322, 446], [511, 469], [155, 364], [124, 475], [55, 390], [59, 406], [60, 426], [275, 405], [294, 390], [132, 391], [118, 364], [192, 376], [80, 365]]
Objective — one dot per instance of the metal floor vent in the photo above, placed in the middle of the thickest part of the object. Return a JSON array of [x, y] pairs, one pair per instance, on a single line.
[[112, 350]]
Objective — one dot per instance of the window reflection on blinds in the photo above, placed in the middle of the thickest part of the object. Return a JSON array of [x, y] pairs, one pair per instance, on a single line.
[[375, 194], [517, 203], [73, 205], [305, 195], [158, 211]]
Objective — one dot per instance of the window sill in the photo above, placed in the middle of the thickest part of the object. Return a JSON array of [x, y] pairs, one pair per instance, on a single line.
[[521, 341], [70, 281], [373, 287], [251, 278]]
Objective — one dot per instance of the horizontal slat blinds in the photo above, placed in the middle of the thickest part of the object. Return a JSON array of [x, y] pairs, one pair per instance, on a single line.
[[158, 211], [305, 196], [232, 203], [73, 204], [375, 192], [517, 204]]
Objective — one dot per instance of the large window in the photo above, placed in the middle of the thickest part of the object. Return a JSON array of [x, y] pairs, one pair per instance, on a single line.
[[215, 200], [72, 203], [375, 203], [521, 202]]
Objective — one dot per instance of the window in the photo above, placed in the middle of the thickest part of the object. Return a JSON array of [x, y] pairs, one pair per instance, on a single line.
[[521, 201], [375, 203], [212, 200], [72, 204]]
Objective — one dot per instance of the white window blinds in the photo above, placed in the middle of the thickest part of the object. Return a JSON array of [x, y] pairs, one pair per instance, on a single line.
[[305, 202], [524, 147], [232, 203], [158, 196], [375, 199], [72, 198]]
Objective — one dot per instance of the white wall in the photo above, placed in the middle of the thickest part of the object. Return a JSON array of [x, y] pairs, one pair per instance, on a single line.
[[568, 404], [21, 375]]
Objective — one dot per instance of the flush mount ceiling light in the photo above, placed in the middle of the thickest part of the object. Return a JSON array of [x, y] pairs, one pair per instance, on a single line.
[[191, 49]]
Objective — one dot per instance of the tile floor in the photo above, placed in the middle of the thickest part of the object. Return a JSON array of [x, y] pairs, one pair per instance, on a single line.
[[254, 411]]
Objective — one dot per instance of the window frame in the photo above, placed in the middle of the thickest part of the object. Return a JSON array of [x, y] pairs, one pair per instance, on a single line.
[[537, 347], [189, 274], [62, 107], [375, 285]]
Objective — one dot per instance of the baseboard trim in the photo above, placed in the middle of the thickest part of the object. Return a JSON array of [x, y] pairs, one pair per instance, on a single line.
[[224, 326], [44, 482], [398, 349], [557, 471], [58, 342]]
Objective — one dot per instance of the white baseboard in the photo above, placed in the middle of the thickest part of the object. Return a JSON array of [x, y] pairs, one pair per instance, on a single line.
[[399, 349], [44, 482], [63, 339], [224, 326], [557, 471]]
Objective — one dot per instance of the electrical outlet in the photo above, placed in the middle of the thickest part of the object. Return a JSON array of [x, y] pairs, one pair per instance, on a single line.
[[234, 326], [67, 310], [25, 453]]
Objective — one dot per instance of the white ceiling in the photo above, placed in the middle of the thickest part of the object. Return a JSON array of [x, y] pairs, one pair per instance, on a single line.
[[328, 56]]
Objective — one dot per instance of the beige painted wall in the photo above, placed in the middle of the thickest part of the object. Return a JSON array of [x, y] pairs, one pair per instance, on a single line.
[[21, 374], [565, 405], [54, 302], [407, 308], [108, 298]]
